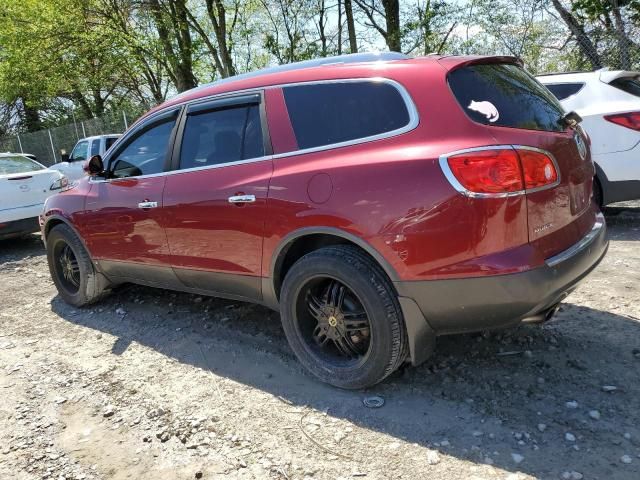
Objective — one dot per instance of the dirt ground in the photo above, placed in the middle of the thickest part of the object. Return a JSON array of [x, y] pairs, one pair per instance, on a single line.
[[151, 384]]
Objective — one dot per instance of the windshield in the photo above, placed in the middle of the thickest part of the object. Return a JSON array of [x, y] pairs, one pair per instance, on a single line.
[[18, 164], [505, 95]]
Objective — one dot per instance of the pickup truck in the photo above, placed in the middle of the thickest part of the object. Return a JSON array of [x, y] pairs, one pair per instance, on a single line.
[[71, 165]]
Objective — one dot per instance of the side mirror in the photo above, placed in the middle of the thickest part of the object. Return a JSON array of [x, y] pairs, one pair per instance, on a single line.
[[94, 166], [64, 156]]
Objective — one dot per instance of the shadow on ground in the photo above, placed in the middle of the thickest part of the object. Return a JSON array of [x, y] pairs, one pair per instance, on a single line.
[[484, 394], [15, 249], [480, 396]]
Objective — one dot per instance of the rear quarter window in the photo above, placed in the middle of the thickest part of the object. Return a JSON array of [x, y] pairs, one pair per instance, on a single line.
[[506, 96], [331, 113], [564, 90], [629, 85]]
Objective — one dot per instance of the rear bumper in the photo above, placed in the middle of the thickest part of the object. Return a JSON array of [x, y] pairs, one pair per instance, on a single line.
[[19, 227], [474, 304]]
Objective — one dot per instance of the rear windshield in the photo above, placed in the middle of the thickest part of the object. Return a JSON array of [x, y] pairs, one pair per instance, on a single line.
[[17, 164], [629, 85], [506, 96]]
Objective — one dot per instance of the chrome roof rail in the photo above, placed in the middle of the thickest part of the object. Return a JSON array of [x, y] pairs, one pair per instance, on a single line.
[[317, 62]]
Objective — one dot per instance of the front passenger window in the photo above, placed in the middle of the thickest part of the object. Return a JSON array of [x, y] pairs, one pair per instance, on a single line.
[[145, 154]]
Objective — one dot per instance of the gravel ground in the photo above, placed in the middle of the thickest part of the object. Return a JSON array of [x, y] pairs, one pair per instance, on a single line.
[[160, 385]]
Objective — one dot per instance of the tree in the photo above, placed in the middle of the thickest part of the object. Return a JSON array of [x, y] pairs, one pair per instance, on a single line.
[[384, 16], [289, 22], [172, 24], [577, 30], [56, 50], [351, 26]]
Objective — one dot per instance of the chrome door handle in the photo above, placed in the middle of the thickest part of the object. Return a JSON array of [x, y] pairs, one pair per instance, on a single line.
[[148, 205], [242, 199]]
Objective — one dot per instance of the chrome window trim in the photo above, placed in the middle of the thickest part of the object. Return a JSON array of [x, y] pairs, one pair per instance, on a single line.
[[414, 121], [446, 169], [581, 245], [186, 170]]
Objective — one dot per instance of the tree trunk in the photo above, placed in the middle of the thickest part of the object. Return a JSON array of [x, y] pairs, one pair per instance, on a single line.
[[180, 62], [351, 26], [98, 103], [392, 17], [339, 27], [218, 18], [584, 42], [623, 41], [31, 117], [321, 29], [77, 96]]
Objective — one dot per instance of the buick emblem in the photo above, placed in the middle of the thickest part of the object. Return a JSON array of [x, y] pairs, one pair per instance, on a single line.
[[582, 146]]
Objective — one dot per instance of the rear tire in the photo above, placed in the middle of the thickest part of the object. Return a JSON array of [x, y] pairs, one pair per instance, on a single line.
[[342, 318], [72, 270]]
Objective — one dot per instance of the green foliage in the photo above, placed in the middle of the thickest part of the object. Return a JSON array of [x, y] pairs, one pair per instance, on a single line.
[[85, 58]]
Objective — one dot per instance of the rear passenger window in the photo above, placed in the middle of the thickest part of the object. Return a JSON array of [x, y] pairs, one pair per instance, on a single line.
[[108, 142], [221, 136], [506, 96], [564, 90], [329, 113]]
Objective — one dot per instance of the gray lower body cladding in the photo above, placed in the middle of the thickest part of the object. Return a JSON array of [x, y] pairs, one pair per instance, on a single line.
[[483, 303]]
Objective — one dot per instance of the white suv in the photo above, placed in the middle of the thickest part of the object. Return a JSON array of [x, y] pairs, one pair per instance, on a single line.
[[609, 104], [72, 166]]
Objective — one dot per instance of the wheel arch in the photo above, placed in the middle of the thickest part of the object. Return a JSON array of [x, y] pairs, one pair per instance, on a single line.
[[603, 182], [305, 240], [54, 220]]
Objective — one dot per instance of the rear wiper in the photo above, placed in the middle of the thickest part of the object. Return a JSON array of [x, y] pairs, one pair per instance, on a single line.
[[571, 119]]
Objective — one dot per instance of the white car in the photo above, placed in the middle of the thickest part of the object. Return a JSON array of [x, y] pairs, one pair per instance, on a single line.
[[24, 186], [72, 166], [609, 104]]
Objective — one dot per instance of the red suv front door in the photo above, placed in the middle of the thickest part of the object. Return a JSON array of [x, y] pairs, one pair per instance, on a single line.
[[215, 203], [123, 218]]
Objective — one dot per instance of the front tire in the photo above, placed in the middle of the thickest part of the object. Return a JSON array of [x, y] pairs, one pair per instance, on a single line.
[[71, 268], [342, 318]]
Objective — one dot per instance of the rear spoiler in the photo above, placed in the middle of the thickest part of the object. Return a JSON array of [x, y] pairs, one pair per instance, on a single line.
[[454, 62], [607, 76]]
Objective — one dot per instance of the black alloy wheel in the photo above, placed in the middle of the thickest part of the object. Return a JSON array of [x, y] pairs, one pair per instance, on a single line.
[[333, 321]]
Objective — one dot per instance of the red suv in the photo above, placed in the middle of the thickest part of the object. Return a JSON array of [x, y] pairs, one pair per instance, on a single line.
[[376, 201]]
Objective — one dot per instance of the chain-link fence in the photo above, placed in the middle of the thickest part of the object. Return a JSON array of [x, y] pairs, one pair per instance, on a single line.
[[47, 144], [602, 49]]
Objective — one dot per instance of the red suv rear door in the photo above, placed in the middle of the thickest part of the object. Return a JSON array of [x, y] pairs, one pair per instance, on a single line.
[[215, 200]]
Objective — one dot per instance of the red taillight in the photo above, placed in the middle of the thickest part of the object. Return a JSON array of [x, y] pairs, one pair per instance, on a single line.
[[501, 170], [630, 119], [487, 171], [538, 169]]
